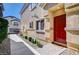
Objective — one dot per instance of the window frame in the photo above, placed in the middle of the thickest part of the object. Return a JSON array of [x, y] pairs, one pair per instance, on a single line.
[[15, 23], [39, 25]]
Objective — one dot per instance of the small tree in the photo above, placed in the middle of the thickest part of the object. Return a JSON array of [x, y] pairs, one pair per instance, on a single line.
[[3, 29]]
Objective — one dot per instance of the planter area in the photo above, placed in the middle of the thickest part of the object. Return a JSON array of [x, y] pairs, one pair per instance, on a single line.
[[33, 42]]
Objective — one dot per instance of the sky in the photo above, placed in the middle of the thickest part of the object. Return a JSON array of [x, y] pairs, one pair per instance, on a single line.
[[12, 9]]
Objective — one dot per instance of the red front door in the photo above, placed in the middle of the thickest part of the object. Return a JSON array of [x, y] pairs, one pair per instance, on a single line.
[[59, 32]]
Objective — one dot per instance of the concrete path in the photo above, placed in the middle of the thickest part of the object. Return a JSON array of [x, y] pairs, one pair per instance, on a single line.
[[19, 47], [51, 49]]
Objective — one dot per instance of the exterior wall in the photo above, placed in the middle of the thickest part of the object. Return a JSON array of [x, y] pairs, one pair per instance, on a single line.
[[72, 22], [25, 18], [28, 16], [40, 13], [49, 5], [72, 26], [67, 5]]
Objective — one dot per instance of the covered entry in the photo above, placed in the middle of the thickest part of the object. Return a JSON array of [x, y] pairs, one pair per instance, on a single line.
[[59, 23]]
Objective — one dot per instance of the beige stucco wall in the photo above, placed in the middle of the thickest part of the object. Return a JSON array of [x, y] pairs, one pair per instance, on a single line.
[[25, 21], [72, 27], [67, 5], [27, 17], [40, 12]]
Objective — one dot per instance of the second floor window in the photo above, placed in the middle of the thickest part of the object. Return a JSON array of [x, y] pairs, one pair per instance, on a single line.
[[15, 24]]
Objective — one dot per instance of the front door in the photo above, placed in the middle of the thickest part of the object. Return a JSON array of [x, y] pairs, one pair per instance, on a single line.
[[59, 32]]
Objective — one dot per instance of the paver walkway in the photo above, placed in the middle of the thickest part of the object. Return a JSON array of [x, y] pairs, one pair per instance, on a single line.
[[18, 46]]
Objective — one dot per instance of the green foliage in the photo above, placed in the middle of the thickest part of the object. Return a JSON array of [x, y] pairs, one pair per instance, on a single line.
[[3, 29], [30, 38], [26, 37], [33, 41]]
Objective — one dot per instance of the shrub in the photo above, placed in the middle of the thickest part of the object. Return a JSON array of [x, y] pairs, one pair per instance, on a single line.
[[30, 38], [26, 37], [3, 29], [33, 41]]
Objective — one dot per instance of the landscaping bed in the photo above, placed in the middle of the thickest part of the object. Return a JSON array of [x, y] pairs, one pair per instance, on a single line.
[[33, 42]]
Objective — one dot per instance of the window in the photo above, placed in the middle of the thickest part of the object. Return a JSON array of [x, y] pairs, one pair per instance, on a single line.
[[40, 25], [15, 24], [31, 25]]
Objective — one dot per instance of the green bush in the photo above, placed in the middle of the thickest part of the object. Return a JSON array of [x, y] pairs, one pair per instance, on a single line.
[[3, 29], [26, 37], [30, 38], [33, 41]]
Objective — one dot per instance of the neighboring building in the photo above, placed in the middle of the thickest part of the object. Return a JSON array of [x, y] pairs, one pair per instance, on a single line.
[[1, 10], [52, 22], [14, 24]]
